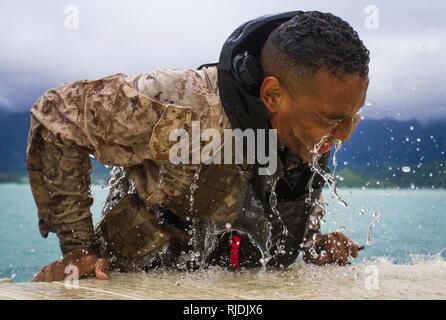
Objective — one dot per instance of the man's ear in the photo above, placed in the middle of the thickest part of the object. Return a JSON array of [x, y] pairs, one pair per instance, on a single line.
[[270, 93]]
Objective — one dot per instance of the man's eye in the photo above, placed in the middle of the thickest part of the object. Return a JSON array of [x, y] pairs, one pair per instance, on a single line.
[[332, 123], [327, 123]]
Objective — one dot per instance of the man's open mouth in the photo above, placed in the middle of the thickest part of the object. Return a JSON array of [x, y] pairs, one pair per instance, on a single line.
[[325, 147]]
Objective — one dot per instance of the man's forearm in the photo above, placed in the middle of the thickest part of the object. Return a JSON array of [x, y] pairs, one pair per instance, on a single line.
[[76, 236], [59, 174]]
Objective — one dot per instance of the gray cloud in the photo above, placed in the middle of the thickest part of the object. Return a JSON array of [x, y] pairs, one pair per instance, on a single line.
[[38, 52]]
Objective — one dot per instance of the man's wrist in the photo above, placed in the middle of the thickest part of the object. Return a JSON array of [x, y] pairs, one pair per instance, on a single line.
[[84, 250]]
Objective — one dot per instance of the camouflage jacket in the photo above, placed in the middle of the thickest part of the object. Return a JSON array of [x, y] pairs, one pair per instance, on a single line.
[[122, 121]]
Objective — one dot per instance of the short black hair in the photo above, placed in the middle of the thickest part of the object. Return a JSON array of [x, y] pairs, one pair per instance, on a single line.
[[313, 40]]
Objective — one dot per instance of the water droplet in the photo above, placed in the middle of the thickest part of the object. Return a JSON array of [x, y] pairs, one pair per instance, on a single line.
[[405, 169]]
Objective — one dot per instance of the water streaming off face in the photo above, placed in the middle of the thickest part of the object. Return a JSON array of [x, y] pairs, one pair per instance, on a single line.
[[316, 169], [279, 247], [337, 147], [330, 180], [272, 182]]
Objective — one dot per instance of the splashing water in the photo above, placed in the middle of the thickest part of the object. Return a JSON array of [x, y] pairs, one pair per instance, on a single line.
[[376, 219], [280, 248], [118, 185], [192, 189], [337, 147], [273, 202], [116, 176], [328, 178], [193, 226], [272, 183]]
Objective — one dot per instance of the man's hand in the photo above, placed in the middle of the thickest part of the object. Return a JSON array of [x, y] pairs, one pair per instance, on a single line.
[[331, 248], [87, 264]]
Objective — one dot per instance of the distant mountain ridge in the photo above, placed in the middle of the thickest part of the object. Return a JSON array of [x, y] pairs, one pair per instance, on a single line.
[[387, 141], [14, 129]]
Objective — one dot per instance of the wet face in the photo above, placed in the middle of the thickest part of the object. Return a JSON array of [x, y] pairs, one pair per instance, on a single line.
[[323, 107]]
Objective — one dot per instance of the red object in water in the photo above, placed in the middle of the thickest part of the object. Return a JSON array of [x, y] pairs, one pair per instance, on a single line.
[[233, 255], [325, 147]]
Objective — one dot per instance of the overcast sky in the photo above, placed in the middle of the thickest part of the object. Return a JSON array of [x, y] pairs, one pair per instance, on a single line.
[[38, 51]]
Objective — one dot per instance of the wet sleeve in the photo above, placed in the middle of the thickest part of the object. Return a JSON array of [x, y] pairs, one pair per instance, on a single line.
[[59, 176], [105, 118]]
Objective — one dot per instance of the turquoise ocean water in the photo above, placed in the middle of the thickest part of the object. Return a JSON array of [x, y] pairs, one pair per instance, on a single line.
[[401, 225]]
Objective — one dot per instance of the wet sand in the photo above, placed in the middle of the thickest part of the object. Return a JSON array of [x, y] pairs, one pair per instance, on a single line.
[[372, 280]]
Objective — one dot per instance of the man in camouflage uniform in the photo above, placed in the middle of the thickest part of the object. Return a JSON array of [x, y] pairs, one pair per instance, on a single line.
[[157, 213]]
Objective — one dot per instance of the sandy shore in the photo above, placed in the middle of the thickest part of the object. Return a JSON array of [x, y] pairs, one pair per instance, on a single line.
[[373, 280]]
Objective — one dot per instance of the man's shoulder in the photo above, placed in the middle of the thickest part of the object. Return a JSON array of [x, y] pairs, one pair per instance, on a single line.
[[195, 89], [184, 87], [190, 96]]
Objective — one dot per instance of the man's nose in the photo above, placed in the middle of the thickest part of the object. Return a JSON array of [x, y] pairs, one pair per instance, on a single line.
[[344, 129]]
